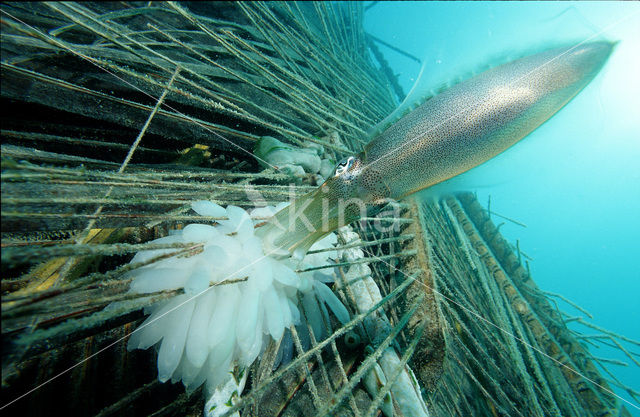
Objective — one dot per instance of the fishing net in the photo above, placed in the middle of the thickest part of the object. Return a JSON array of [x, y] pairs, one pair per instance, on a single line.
[[119, 115]]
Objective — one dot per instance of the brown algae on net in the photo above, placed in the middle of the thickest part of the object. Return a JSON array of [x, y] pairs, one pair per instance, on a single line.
[[243, 71]]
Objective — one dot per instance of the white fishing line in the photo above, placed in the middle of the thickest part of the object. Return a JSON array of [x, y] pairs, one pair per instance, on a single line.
[[87, 58], [502, 330], [275, 250], [139, 328], [372, 256], [490, 96]]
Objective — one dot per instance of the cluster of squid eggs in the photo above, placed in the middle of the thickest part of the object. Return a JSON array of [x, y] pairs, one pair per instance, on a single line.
[[235, 298]]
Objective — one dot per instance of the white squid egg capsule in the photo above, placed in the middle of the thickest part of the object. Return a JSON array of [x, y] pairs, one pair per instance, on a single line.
[[199, 280], [208, 208], [199, 233], [147, 255], [239, 223]]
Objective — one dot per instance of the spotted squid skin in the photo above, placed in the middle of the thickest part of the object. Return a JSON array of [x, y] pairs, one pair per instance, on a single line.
[[475, 120], [449, 134]]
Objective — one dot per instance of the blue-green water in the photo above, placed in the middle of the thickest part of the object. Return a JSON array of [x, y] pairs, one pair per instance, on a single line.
[[575, 181]]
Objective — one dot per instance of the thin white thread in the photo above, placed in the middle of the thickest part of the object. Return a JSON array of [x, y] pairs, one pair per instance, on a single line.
[[87, 58], [479, 102], [137, 328], [501, 329], [374, 256]]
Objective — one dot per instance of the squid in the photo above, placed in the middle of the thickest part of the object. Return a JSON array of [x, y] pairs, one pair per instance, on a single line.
[[445, 136]]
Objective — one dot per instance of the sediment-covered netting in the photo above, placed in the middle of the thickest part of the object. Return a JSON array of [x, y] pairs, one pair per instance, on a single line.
[[504, 337], [271, 69], [121, 115]]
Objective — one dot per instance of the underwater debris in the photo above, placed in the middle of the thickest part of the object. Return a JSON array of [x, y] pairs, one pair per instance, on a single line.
[[396, 377]]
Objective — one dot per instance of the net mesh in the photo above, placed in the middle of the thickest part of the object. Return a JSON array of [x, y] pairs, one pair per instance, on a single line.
[[119, 115]]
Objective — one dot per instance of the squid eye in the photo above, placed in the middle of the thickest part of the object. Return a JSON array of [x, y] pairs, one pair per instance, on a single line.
[[344, 165]]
